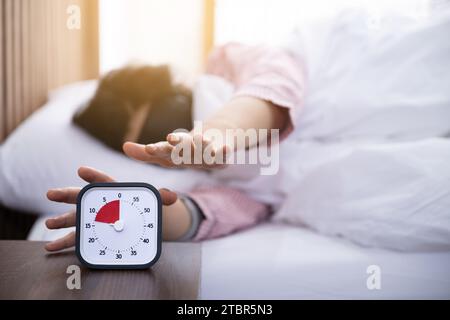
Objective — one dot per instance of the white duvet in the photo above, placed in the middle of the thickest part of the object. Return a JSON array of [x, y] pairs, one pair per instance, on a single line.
[[372, 151]]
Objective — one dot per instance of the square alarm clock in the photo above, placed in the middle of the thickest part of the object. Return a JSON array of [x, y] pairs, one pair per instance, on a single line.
[[119, 225]]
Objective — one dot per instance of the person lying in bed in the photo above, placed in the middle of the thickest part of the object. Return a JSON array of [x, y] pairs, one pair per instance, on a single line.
[[270, 93], [270, 87], [138, 103]]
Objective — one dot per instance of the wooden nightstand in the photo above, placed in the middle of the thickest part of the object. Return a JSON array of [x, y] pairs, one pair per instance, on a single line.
[[27, 271]]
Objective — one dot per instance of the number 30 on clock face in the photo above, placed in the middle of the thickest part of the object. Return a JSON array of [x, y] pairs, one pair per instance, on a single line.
[[119, 225]]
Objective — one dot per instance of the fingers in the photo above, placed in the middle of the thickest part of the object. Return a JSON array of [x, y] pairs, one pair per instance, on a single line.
[[62, 243], [162, 150], [161, 153], [177, 137], [200, 142], [223, 153], [158, 153], [214, 152], [92, 175], [168, 197], [68, 220], [136, 151], [69, 195], [63, 221], [66, 195]]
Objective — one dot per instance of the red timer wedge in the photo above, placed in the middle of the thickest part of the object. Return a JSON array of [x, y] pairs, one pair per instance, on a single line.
[[109, 213]]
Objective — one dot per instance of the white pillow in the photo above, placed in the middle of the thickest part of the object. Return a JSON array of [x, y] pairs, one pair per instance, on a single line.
[[375, 83], [47, 149]]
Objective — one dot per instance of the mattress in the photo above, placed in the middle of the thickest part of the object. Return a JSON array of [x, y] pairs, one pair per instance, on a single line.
[[276, 261]]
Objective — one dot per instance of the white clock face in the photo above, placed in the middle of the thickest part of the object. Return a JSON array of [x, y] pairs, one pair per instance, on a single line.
[[118, 226]]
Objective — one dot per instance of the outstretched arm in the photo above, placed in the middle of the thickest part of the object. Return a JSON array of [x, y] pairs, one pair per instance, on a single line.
[[175, 214], [223, 211], [269, 91]]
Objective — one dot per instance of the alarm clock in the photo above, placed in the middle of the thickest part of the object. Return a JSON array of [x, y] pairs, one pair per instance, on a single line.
[[118, 225]]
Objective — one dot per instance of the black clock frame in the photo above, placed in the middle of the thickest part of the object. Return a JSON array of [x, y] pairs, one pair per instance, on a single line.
[[158, 232]]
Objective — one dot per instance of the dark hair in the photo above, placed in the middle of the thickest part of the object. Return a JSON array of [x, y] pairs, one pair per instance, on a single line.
[[106, 116]]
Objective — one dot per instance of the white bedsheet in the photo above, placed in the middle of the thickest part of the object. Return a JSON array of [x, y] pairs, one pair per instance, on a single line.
[[284, 262], [274, 261]]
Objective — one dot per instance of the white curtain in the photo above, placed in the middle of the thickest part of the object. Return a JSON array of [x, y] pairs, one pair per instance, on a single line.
[[151, 31]]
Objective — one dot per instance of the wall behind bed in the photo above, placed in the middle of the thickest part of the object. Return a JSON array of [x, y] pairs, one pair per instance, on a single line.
[[41, 48]]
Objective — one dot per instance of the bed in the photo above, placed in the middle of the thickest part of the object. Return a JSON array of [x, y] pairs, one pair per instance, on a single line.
[[272, 261], [283, 258]]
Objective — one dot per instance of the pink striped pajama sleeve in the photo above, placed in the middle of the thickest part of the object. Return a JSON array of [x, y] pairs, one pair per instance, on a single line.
[[267, 73]]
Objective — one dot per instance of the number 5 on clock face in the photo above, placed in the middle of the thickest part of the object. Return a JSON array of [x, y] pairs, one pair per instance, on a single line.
[[119, 225]]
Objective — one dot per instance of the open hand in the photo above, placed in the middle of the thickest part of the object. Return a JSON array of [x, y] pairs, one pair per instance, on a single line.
[[205, 153], [69, 195]]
